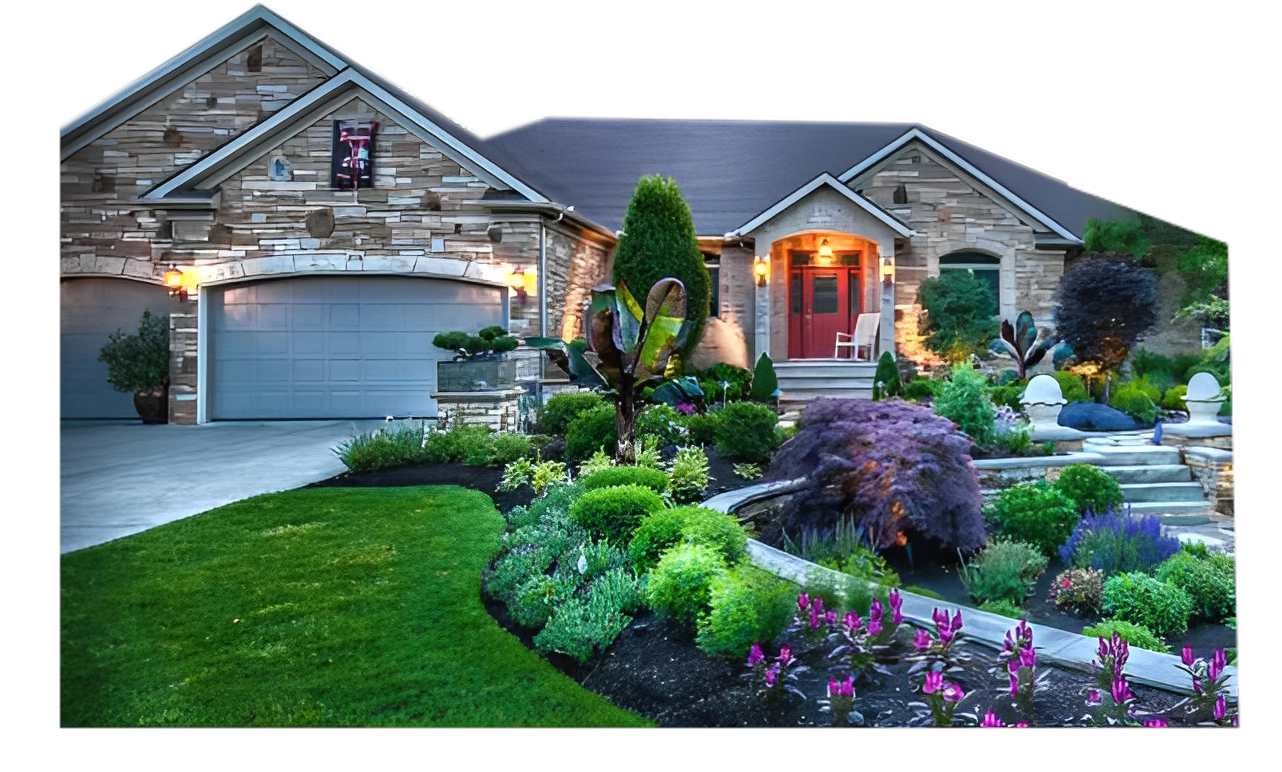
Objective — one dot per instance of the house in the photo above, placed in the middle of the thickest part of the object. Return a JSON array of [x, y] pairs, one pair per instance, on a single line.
[[321, 226]]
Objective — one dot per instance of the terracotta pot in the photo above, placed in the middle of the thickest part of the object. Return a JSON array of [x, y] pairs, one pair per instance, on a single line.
[[152, 405]]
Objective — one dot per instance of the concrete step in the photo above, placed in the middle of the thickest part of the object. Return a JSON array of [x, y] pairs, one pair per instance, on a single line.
[[1167, 491], [824, 383], [1132, 455], [1149, 473], [1169, 507], [823, 369], [793, 398]]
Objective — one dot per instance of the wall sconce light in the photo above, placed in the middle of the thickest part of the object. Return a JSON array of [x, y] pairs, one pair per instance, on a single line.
[[887, 270], [761, 269], [516, 282], [174, 282], [825, 252]]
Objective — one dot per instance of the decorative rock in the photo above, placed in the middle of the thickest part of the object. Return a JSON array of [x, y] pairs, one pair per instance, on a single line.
[[1089, 415]]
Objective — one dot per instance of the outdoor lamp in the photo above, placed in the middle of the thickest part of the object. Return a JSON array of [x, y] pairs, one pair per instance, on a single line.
[[762, 270], [887, 270], [516, 282], [174, 282], [825, 252]]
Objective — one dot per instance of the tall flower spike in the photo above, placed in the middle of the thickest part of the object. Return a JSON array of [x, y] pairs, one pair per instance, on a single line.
[[1221, 708], [934, 682], [1027, 657], [1218, 662], [896, 605], [1186, 656], [957, 621], [803, 602], [755, 655]]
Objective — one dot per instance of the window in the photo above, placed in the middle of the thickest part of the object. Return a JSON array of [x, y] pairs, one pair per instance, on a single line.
[[982, 266], [714, 276]]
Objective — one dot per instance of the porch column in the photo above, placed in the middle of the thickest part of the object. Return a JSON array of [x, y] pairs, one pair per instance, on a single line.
[[886, 332], [761, 317]]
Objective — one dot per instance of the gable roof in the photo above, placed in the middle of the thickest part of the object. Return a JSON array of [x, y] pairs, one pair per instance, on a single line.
[[822, 180]]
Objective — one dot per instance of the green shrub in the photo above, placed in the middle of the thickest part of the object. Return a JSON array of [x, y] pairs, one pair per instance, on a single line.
[[680, 586], [747, 432], [560, 410], [1008, 395], [964, 401], [1208, 580], [925, 592], [590, 431], [1135, 400], [1071, 386], [845, 549], [457, 444], [614, 513], [841, 592], [1173, 399], [1003, 608], [1013, 440], [382, 449], [662, 423], [653, 479], [590, 621], [1141, 599], [139, 361], [664, 529], [1089, 487], [711, 380], [1080, 590], [1005, 570], [886, 377], [702, 428], [1034, 513], [960, 314], [688, 477], [746, 605], [1136, 635], [920, 388]]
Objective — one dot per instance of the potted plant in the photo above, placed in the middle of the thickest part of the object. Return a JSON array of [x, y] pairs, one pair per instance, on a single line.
[[139, 364], [480, 361]]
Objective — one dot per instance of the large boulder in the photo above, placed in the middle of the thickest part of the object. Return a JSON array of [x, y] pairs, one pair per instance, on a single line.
[[1094, 417]]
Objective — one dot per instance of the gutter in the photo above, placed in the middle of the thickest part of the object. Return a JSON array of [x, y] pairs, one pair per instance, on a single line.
[[551, 208]]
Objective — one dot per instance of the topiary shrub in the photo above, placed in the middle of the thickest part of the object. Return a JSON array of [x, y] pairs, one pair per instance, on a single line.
[[1134, 400], [1139, 598], [590, 431], [680, 586], [746, 606], [1034, 513], [614, 513], [960, 317], [662, 424], [1208, 580], [561, 409], [1071, 386], [653, 479], [746, 432], [1136, 635], [1005, 570], [1117, 542], [662, 530], [964, 400], [891, 467], [1089, 487]]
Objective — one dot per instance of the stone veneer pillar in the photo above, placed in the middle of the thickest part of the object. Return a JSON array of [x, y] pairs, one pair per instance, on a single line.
[[183, 372]]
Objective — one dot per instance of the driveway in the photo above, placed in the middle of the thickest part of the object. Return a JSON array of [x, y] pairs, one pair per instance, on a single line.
[[119, 478]]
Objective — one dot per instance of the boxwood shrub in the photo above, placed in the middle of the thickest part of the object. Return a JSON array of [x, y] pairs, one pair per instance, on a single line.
[[614, 513], [1139, 598], [660, 531], [1034, 513], [746, 432], [1089, 487], [560, 410], [654, 479], [746, 605], [680, 586]]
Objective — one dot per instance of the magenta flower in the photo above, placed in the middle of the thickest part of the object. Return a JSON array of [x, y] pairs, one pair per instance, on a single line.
[[1103, 651], [814, 614], [991, 719], [1197, 686], [771, 675], [844, 688], [1014, 686], [830, 618], [923, 640], [874, 626], [1218, 662], [1021, 724], [896, 605], [1186, 656], [851, 621], [755, 655], [1093, 698], [934, 682], [1221, 708], [1121, 691], [940, 617], [1027, 658], [819, 604], [803, 603], [1155, 721], [1013, 667], [957, 621], [785, 657], [876, 611], [953, 692], [685, 408]]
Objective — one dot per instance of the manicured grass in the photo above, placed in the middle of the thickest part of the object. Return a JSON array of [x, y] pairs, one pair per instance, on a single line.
[[322, 607]]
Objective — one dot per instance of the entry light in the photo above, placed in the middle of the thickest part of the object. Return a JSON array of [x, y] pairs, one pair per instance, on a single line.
[[174, 282], [761, 268], [825, 252]]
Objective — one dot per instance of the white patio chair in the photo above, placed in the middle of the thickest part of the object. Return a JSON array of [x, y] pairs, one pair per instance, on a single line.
[[864, 337]]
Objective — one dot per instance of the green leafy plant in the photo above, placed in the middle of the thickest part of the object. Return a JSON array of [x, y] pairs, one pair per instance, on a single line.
[[592, 431], [614, 513], [1080, 590], [588, 622], [746, 606], [546, 474], [1173, 398], [383, 448], [1134, 634], [679, 391], [561, 409], [1071, 386], [1003, 608], [701, 428], [964, 400], [461, 443], [688, 475], [1034, 513], [747, 432], [960, 314], [886, 378], [1134, 400], [661, 423], [1209, 580], [724, 382], [664, 529], [920, 388], [747, 471], [614, 476], [1089, 487], [680, 586], [1143, 600], [140, 361], [595, 463], [1023, 342], [1004, 570], [486, 343], [1124, 236]]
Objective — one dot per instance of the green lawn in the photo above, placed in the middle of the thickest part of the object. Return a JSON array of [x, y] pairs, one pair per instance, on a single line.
[[322, 607]]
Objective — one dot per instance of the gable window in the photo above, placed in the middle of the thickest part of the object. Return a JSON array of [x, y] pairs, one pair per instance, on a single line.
[[254, 60], [982, 266], [352, 156], [713, 264]]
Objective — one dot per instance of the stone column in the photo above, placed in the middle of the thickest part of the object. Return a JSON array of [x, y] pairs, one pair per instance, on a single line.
[[761, 314], [183, 372]]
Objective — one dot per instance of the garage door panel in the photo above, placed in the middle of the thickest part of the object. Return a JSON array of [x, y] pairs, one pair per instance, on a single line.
[[336, 347]]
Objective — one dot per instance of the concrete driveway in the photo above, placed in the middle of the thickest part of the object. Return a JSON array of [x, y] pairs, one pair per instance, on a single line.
[[119, 478]]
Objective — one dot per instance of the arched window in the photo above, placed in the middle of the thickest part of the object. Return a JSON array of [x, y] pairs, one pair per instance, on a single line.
[[982, 266]]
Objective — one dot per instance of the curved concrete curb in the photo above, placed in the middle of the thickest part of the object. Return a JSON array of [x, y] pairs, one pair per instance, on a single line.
[[1053, 645]]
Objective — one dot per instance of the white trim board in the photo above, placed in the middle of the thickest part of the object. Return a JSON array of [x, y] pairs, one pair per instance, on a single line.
[[810, 187]]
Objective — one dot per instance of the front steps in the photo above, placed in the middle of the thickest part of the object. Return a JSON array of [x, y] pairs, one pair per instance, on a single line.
[[802, 380], [1152, 479]]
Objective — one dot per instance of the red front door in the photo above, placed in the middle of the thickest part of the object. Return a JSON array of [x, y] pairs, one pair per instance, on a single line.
[[822, 301]]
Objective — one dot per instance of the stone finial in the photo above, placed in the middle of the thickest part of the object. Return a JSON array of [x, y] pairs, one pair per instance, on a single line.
[[1043, 390], [1203, 399], [1042, 401]]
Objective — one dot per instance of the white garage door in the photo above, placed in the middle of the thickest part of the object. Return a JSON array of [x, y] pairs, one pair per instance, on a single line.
[[92, 309], [335, 346]]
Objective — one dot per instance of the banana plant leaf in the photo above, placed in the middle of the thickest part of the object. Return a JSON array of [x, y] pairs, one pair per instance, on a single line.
[[679, 390], [626, 340], [568, 357]]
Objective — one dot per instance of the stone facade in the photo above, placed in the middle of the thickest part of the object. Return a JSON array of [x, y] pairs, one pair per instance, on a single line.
[[576, 262], [497, 410], [1213, 470]]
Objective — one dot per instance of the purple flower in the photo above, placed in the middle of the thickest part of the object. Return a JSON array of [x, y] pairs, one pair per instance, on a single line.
[[876, 611], [1221, 708], [814, 614], [874, 626], [934, 682], [923, 640], [991, 719], [771, 675], [1014, 685], [1121, 691], [1103, 652], [852, 622], [896, 605], [940, 617], [844, 688], [1027, 658], [953, 692], [1021, 724], [1013, 667], [1155, 721], [785, 657], [1093, 698], [830, 618], [1187, 656], [685, 408], [1218, 662], [957, 621], [1197, 686], [803, 603], [818, 604], [755, 655]]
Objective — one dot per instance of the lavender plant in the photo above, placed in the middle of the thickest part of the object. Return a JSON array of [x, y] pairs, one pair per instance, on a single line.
[[1118, 542], [894, 467]]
